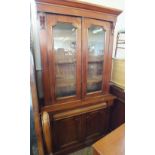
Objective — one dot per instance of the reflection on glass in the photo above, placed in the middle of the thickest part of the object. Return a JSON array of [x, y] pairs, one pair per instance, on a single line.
[[96, 38], [65, 59]]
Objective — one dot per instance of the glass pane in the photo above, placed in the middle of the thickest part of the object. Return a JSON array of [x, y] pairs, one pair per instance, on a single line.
[[65, 59], [96, 38]]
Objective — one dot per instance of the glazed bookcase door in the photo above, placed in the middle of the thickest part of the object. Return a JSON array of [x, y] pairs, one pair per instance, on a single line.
[[64, 49], [95, 54]]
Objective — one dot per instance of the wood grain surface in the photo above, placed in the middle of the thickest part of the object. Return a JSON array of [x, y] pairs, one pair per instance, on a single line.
[[112, 144]]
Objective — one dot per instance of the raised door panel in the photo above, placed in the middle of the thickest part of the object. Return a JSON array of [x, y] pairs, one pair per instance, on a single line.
[[66, 132], [64, 57], [95, 53], [97, 123]]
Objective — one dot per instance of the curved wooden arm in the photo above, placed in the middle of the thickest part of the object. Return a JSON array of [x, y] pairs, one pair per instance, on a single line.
[[47, 132]]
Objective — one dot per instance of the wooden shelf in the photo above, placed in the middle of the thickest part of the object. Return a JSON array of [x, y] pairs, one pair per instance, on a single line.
[[95, 61], [92, 58], [71, 82], [66, 82], [95, 79], [61, 77], [65, 85], [65, 62]]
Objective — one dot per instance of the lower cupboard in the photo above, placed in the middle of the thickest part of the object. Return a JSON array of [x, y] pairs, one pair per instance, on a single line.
[[76, 131]]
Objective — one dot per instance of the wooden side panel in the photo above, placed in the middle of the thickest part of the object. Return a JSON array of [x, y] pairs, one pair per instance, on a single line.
[[118, 108], [35, 104], [118, 114], [109, 57], [44, 57]]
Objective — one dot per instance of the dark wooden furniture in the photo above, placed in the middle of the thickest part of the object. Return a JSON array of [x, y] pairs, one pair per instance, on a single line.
[[76, 48], [118, 108], [112, 144], [82, 127]]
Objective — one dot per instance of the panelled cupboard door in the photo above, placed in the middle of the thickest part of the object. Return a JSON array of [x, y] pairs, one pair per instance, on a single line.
[[66, 132], [64, 57], [95, 35], [97, 123]]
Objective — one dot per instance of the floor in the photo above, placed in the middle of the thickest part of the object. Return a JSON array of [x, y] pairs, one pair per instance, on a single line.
[[85, 151]]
